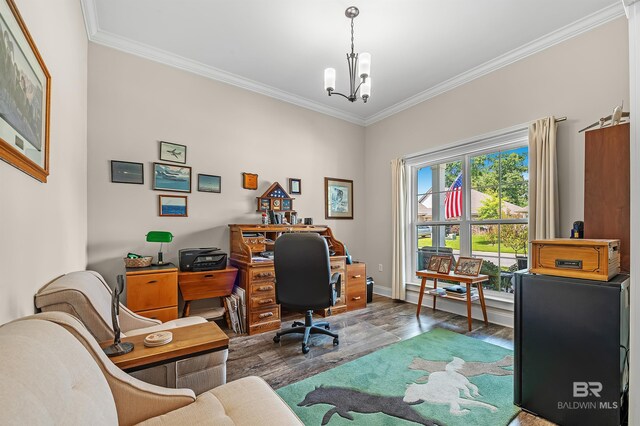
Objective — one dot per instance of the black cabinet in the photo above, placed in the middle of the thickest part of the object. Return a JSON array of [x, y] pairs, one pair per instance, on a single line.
[[571, 342]]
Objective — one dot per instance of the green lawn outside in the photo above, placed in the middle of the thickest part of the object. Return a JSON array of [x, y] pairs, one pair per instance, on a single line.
[[478, 243]]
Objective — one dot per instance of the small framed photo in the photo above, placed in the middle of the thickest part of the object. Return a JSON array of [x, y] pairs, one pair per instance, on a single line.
[[168, 177], [445, 264], [434, 264], [173, 152], [172, 205], [295, 186], [286, 204], [127, 172], [249, 181], [468, 266], [209, 183], [338, 197]]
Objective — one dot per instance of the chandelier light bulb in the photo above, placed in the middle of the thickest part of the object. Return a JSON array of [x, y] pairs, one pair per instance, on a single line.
[[364, 64], [365, 89], [329, 79]]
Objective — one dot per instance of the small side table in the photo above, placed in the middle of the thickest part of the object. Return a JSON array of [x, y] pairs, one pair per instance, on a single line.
[[189, 341], [462, 279], [205, 285]]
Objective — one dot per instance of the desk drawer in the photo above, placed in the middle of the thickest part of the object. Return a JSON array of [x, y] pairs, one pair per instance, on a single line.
[[152, 291], [356, 297], [263, 274], [337, 266], [263, 301], [203, 285], [164, 314], [265, 315], [263, 288]]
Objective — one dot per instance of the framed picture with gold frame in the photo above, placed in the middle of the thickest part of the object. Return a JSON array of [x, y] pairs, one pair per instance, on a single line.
[[469, 266], [25, 92], [249, 181]]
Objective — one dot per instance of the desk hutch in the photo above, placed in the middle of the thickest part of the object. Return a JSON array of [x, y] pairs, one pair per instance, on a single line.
[[256, 275]]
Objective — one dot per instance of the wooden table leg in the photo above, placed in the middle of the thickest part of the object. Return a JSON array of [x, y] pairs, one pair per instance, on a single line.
[[482, 304], [435, 286], [469, 319], [424, 282], [187, 308]]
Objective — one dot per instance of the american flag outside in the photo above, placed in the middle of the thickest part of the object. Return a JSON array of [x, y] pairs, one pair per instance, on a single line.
[[453, 199]]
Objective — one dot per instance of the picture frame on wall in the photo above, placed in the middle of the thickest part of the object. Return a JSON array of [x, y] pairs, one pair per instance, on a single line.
[[209, 183], [127, 172], [469, 266], [338, 197], [295, 186], [169, 177], [249, 181], [24, 107], [173, 152], [172, 205]]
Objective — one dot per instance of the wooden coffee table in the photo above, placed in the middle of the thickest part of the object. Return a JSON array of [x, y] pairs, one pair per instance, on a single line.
[[462, 279], [189, 341]]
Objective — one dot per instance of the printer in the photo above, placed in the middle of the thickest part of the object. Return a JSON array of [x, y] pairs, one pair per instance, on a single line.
[[202, 259]]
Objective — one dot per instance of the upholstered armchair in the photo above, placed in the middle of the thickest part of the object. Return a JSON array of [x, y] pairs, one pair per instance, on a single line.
[[86, 296], [54, 372]]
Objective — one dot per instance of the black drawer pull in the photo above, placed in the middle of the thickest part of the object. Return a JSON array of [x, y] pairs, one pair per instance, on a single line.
[[208, 276], [152, 281]]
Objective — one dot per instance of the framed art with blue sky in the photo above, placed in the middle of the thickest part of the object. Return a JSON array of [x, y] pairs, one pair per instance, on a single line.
[[209, 183], [169, 177], [172, 205]]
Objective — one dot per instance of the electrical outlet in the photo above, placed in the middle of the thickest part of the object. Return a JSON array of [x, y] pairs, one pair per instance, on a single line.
[[380, 267]]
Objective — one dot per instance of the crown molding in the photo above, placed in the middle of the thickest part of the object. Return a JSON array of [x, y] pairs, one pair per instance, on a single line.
[[574, 29], [99, 36]]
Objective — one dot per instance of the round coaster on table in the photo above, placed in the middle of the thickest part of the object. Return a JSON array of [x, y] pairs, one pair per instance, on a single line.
[[158, 339]]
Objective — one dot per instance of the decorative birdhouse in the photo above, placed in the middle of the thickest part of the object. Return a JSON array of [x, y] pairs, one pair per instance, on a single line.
[[275, 198]]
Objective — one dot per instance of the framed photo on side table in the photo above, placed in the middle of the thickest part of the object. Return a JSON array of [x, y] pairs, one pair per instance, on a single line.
[[169, 177], [172, 205], [173, 152], [127, 172], [434, 264], [338, 198], [25, 88], [468, 266], [445, 264]]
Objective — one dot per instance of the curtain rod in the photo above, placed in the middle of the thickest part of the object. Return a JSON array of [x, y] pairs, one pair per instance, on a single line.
[[559, 119]]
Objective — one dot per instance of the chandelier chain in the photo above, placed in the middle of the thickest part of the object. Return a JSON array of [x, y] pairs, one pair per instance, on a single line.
[[352, 36]]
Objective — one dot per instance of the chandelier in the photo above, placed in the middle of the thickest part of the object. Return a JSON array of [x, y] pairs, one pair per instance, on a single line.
[[359, 68]]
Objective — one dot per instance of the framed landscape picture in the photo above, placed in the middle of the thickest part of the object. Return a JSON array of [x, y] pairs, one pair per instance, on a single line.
[[172, 205], [25, 87], [169, 177], [338, 196], [209, 183], [127, 172], [173, 152]]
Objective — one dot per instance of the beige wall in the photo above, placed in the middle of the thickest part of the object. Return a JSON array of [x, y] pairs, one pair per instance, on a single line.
[[582, 78], [43, 227], [134, 103]]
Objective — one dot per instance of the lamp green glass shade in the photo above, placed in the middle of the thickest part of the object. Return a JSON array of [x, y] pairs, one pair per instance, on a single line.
[[159, 237]]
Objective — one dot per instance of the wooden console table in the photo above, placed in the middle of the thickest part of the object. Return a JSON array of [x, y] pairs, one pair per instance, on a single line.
[[187, 342], [205, 285], [462, 279]]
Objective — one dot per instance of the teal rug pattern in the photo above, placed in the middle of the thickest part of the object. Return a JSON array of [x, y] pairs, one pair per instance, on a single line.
[[437, 378]]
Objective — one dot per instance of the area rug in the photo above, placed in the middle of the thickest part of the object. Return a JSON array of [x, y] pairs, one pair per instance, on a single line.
[[437, 378]]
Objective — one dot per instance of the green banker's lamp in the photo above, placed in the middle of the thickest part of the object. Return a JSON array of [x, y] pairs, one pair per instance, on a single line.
[[159, 237]]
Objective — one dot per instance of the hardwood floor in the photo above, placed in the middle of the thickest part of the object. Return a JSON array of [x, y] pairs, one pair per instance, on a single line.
[[361, 332]]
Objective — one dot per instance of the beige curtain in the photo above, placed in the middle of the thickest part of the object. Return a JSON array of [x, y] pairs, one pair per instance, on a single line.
[[543, 178], [398, 217]]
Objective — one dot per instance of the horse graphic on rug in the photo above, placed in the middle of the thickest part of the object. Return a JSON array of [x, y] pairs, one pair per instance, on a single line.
[[469, 369], [443, 387], [345, 400]]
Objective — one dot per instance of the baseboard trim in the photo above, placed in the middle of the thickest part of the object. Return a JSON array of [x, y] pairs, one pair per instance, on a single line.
[[382, 290]]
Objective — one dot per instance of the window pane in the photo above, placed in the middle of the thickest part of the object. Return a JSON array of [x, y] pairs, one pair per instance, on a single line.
[[451, 172], [514, 167], [515, 201], [485, 203], [485, 171], [424, 211], [514, 241], [424, 180], [444, 239]]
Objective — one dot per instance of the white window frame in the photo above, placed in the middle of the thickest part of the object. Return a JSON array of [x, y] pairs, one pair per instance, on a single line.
[[504, 140]]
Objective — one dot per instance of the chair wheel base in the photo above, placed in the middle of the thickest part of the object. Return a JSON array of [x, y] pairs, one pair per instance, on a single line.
[[336, 342], [276, 339], [305, 349]]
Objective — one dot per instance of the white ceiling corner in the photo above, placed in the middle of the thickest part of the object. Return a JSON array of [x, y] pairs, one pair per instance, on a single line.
[[137, 28]]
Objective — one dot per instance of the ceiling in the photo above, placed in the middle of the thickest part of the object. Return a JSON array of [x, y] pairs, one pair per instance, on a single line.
[[419, 48]]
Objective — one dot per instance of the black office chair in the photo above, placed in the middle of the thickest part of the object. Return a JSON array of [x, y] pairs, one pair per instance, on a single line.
[[304, 282]]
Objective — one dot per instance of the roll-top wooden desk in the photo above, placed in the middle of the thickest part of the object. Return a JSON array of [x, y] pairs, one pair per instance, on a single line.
[[257, 277]]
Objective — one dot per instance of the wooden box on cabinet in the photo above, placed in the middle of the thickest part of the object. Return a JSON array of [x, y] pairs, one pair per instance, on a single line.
[[356, 286], [153, 292]]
